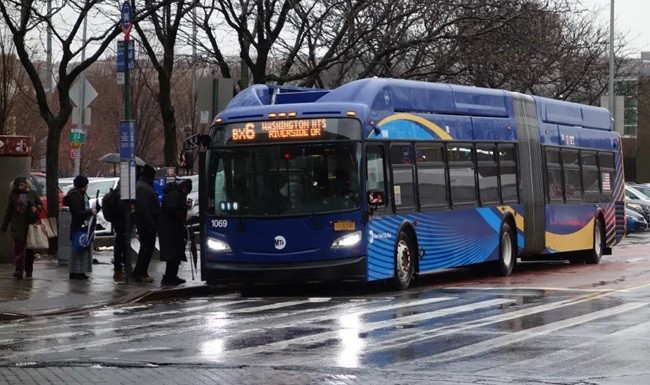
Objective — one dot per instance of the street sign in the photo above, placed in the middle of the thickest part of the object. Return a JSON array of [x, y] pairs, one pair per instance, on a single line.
[[127, 139], [77, 136], [127, 180], [15, 145], [126, 17], [76, 116], [205, 117], [89, 93], [120, 55]]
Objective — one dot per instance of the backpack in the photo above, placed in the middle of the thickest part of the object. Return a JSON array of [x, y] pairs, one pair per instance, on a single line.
[[66, 198], [110, 205]]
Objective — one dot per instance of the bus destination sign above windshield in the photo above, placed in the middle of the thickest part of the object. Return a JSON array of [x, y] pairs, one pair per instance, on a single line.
[[299, 129]]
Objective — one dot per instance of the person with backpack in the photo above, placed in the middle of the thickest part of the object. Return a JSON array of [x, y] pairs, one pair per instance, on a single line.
[[115, 211]]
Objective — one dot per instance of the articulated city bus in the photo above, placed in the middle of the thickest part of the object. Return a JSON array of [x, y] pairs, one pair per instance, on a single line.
[[386, 179]]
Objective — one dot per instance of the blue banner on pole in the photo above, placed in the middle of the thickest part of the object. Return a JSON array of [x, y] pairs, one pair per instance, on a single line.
[[127, 139], [120, 55]]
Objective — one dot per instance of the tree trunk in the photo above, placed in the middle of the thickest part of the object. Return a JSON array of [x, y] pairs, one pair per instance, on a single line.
[[52, 168], [170, 148]]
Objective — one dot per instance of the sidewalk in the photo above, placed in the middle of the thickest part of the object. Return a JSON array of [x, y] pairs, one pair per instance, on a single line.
[[50, 291]]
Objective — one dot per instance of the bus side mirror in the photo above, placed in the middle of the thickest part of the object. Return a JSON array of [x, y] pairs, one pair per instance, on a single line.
[[375, 199]]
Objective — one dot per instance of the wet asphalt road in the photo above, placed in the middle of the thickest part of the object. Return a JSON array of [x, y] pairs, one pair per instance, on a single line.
[[548, 323]]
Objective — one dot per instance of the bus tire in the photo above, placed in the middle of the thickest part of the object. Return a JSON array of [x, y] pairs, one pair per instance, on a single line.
[[404, 262], [507, 252], [594, 255]]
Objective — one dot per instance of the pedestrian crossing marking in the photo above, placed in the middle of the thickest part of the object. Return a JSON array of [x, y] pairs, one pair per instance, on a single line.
[[227, 321]]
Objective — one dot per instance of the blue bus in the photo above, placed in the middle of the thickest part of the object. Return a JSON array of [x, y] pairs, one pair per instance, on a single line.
[[386, 179]]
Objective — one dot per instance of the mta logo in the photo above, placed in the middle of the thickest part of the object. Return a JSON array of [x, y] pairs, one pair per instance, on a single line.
[[280, 242]]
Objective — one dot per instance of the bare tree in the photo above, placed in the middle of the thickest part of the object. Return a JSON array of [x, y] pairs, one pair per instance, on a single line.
[[160, 44], [27, 21], [548, 47], [10, 83]]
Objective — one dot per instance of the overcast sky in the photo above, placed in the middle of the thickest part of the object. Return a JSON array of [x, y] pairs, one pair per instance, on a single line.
[[631, 17]]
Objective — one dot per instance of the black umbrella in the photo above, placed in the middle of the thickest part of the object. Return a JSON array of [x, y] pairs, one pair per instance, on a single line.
[[193, 250], [114, 157], [90, 234]]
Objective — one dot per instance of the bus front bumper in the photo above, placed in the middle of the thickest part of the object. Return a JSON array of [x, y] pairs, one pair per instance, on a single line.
[[349, 269]]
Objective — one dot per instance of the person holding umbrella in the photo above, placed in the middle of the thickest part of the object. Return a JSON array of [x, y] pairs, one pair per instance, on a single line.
[[81, 228], [172, 232]]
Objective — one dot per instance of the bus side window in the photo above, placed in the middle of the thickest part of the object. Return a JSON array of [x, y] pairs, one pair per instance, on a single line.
[[375, 175], [432, 184], [572, 175], [461, 174], [402, 158], [555, 187]]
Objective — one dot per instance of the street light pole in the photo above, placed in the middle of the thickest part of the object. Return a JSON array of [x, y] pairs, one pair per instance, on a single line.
[[611, 59]]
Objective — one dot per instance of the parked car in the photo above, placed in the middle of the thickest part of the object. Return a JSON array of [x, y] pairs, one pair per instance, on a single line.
[[65, 182], [40, 185], [641, 188], [638, 201], [98, 187], [635, 221]]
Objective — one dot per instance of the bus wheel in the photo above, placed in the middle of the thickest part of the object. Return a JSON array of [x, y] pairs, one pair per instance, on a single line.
[[507, 252], [404, 262], [593, 256]]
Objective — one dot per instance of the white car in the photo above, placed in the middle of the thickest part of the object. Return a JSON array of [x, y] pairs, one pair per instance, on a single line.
[[98, 187]]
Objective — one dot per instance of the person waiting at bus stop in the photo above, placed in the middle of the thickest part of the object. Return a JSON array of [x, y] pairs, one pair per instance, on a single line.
[[147, 216], [172, 232], [81, 260]]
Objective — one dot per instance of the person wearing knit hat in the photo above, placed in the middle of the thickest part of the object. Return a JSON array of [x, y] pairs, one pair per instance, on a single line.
[[148, 171], [80, 181], [77, 200], [22, 210]]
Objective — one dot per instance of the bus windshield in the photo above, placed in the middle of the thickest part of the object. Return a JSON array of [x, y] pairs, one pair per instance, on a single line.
[[283, 179]]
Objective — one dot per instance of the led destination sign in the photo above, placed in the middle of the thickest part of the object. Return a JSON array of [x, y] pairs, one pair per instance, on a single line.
[[291, 130], [281, 129]]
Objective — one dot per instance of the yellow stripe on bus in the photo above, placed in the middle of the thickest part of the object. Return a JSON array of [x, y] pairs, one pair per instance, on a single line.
[[519, 219], [414, 118], [582, 239]]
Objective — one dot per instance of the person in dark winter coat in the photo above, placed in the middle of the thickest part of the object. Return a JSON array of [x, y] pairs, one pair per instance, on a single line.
[[81, 261], [119, 224], [172, 232], [22, 210], [147, 216]]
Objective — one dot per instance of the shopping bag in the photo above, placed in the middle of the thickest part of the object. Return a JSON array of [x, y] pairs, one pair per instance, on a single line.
[[50, 227], [37, 237], [80, 241]]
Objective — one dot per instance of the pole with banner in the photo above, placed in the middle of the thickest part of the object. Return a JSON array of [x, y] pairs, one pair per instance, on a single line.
[[127, 142]]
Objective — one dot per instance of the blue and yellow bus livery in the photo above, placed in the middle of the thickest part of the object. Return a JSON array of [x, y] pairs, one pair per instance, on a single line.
[[386, 179]]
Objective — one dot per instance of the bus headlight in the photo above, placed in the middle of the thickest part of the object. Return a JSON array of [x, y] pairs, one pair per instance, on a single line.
[[217, 245], [347, 240]]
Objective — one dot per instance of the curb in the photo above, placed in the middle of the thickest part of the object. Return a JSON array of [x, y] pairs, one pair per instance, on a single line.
[[177, 292], [141, 296]]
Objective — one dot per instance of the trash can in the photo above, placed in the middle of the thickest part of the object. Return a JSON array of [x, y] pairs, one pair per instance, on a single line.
[[65, 246]]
